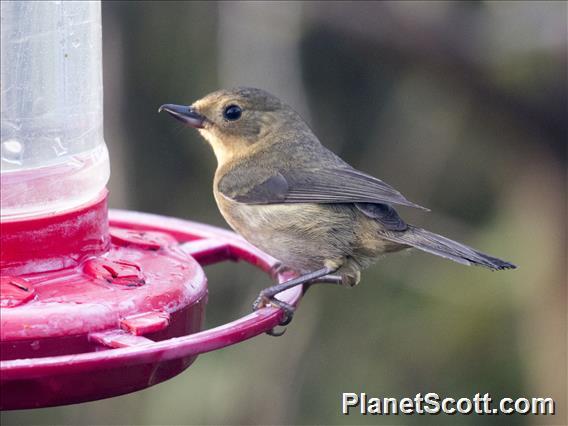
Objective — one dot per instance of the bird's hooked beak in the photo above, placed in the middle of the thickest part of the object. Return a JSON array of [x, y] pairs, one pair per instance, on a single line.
[[185, 114]]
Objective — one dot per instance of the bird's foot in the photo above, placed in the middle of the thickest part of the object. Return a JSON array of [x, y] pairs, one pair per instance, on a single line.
[[268, 295], [263, 300], [278, 269]]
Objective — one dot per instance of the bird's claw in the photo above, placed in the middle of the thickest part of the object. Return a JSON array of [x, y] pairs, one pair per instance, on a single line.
[[278, 269], [267, 296], [272, 332], [262, 301], [275, 270]]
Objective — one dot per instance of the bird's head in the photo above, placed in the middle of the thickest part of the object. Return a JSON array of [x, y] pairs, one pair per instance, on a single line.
[[236, 121]]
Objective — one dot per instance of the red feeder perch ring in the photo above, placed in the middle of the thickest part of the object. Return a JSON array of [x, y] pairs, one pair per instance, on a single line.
[[130, 308]]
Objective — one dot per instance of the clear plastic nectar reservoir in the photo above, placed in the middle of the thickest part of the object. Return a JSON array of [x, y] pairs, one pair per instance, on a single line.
[[53, 153]]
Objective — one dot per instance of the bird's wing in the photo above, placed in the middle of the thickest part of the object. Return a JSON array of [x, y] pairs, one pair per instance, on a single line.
[[339, 184], [384, 214]]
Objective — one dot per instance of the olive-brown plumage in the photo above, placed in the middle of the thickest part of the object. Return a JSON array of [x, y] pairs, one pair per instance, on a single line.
[[283, 191]]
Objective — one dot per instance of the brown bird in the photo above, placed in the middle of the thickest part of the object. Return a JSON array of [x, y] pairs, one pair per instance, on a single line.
[[291, 197]]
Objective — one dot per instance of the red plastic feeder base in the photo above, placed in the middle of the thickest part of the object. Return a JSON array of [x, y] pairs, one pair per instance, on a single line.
[[121, 317]]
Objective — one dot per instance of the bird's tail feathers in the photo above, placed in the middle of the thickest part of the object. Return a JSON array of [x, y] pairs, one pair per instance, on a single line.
[[441, 246]]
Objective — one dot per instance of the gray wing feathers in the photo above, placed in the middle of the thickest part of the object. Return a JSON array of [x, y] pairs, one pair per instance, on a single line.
[[385, 214], [336, 185]]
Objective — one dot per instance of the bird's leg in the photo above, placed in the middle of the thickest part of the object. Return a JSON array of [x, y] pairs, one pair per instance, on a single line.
[[327, 279], [349, 279], [267, 296]]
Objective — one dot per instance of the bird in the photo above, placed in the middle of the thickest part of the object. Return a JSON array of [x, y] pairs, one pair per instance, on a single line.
[[287, 194]]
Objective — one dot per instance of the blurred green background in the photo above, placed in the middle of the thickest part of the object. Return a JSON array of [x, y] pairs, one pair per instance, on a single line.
[[459, 105]]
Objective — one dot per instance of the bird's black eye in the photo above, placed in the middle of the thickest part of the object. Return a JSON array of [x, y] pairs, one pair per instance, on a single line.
[[232, 112]]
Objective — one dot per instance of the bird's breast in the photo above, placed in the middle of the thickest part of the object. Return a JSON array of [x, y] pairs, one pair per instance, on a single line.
[[261, 223], [302, 236]]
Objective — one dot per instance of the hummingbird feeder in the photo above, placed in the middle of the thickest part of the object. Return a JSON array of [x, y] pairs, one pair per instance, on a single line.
[[92, 304]]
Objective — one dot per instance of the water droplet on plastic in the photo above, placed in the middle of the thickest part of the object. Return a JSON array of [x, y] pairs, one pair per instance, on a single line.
[[12, 151]]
